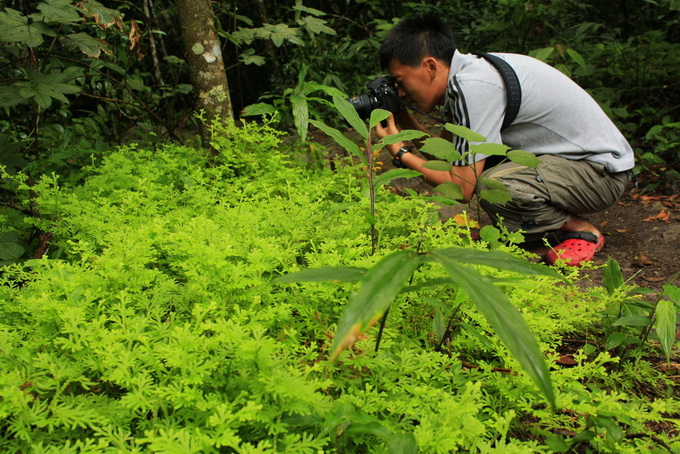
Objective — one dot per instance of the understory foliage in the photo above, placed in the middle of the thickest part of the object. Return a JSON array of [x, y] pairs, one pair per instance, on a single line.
[[153, 323]]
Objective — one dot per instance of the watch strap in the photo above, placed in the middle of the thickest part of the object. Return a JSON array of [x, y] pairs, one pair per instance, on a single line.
[[396, 161]]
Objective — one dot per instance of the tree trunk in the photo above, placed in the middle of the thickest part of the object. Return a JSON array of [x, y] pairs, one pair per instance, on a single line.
[[204, 56]]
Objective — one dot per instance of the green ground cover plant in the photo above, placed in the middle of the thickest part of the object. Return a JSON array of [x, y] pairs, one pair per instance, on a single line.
[[154, 322]]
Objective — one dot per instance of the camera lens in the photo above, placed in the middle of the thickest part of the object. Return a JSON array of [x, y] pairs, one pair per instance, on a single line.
[[364, 105]]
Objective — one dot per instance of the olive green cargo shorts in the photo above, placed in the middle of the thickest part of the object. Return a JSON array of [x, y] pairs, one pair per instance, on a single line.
[[544, 198]]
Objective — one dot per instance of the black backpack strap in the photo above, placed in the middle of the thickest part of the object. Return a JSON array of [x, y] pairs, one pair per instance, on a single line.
[[513, 91]]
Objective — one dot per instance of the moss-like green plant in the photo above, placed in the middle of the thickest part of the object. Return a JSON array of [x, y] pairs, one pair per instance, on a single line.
[[159, 328]]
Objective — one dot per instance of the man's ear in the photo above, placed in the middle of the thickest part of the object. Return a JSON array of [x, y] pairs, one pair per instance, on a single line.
[[431, 66]]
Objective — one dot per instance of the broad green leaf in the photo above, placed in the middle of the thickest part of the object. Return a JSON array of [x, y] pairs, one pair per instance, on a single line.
[[340, 139], [612, 428], [490, 234], [439, 321], [564, 68], [440, 199], [401, 136], [560, 48], [249, 57], [136, 83], [117, 68], [673, 292], [544, 53], [10, 97], [371, 428], [42, 88], [666, 325], [316, 26], [349, 113], [490, 149], [465, 133], [378, 288], [451, 190], [633, 320], [11, 251], [302, 75], [576, 57], [10, 247], [612, 277], [331, 91], [495, 191], [300, 115], [441, 148], [586, 435], [14, 28], [386, 177], [308, 10], [615, 339], [331, 273], [556, 444], [279, 33], [505, 319], [258, 109], [57, 11], [498, 259], [403, 443], [378, 115], [496, 196], [88, 45], [441, 166], [524, 158], [103, 16]]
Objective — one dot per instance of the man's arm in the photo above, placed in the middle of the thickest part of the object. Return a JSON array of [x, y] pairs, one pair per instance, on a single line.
[[463, 176]]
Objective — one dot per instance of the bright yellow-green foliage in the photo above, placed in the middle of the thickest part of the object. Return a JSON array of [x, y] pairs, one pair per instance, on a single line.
[[153, 324]]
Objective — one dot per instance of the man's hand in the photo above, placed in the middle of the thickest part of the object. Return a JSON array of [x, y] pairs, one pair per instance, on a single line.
[[388, 130]]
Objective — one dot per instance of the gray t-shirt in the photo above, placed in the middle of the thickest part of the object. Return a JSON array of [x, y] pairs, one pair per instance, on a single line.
[[556, 116]]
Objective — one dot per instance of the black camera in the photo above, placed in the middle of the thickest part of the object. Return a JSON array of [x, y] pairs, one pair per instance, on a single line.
[[382, 94]]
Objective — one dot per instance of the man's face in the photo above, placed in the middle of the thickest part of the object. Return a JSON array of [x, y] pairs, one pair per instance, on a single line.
[[423, 86]]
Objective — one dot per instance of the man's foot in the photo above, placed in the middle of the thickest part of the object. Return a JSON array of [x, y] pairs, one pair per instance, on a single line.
[[576, 248], [580, 241]]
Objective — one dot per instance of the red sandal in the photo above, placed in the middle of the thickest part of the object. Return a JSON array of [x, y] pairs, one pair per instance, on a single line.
[[576, 248]]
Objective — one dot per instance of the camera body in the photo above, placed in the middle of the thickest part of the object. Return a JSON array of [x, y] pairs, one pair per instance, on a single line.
[[382, 94]]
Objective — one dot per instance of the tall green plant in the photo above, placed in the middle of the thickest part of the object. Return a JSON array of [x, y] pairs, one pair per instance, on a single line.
[[630, 321], [380, 285]]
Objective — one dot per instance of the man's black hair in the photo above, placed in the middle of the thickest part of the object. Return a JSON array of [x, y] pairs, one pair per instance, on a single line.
[[417, 37]]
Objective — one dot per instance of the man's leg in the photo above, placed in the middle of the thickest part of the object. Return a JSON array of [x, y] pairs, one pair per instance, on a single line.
[[552, 196]]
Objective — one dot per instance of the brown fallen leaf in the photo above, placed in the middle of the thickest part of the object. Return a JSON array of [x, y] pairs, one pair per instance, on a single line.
[[567, 360], [651, 198], [643, 260], [603, 223], [663, 215], [654, 278]]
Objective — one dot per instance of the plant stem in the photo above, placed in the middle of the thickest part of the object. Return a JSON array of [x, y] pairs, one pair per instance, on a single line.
[[383, 319], [448, 329], [371, 191]]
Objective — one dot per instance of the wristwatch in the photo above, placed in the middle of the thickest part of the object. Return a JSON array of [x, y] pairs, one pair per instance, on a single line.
[[396, 161]]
